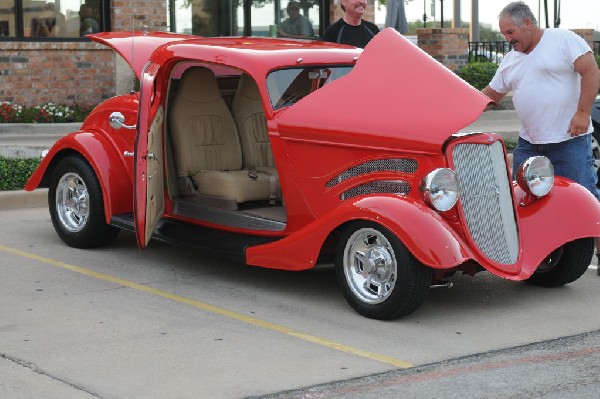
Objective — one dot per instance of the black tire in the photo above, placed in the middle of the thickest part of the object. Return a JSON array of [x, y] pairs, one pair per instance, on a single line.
[[596, 151], [398, 286], [76, 205], [564, 265]]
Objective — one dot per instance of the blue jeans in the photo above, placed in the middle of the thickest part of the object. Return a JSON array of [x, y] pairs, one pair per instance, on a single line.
[[572, 159]]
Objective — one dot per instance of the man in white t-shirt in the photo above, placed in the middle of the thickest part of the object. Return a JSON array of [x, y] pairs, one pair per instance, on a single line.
[[554, 79]]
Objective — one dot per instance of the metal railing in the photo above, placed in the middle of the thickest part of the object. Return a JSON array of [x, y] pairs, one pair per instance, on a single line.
[[494, 51], [488, 51]]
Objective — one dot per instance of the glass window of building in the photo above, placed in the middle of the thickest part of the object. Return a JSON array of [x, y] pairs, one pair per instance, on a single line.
[[246, 18], [37, 19]]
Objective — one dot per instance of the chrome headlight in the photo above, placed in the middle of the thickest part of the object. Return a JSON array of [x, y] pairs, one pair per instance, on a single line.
[[440, 189], [536, 176]]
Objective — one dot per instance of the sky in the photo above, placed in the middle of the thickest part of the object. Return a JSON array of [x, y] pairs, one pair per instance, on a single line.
[[574, 13]]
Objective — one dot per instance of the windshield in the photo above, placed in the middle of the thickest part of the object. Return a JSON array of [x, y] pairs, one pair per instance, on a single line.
[[287, 86]]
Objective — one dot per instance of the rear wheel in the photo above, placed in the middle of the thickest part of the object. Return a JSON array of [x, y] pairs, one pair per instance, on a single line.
[[76, 205], [379, 277], [564, 265]]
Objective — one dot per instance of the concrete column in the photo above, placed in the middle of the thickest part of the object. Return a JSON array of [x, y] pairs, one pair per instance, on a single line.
[[456, 22], [474, 21]]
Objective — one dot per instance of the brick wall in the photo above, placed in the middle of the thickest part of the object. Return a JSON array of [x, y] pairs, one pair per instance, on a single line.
[[450, 46], [35, 73]]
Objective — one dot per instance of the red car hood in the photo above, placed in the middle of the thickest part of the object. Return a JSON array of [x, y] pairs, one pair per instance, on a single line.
[[395, 91], [136, 47]]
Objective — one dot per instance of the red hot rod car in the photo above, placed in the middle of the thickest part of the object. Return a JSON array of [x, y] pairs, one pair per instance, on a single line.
[[283, 154]]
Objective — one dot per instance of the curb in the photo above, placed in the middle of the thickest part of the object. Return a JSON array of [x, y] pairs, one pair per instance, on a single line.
[[21, 199]]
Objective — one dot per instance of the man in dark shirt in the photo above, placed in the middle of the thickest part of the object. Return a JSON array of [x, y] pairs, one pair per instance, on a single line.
[[351, 28]]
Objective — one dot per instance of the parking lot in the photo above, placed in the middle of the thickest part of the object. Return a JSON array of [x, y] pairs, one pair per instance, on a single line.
[[170, 322]]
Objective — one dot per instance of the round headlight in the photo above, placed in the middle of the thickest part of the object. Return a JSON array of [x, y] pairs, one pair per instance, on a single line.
[[536, 176], [440, 189]]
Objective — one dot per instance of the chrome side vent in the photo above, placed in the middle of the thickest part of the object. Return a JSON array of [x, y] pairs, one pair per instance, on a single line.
[[399, 187], [400, 165], [485, 198]]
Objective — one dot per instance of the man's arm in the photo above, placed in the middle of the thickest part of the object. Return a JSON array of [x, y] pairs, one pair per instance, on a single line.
[[493, 94], [590, 84]]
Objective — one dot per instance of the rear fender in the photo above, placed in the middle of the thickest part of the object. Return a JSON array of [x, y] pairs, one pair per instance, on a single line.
[[111, 169], [424, 232]]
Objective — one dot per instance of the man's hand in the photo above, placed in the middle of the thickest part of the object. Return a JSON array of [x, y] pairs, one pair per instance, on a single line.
[[579, 124]]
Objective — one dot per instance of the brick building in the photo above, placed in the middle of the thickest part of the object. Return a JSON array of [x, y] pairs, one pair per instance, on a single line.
[[44, 56]]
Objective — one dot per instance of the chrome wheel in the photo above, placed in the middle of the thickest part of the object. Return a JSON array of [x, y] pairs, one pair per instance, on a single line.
[[76, 204], [370, 266], [72, 202], [378, 275]]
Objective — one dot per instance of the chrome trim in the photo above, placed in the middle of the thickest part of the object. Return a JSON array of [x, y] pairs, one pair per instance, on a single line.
[[486, 199], [400, 187], [400, 165]]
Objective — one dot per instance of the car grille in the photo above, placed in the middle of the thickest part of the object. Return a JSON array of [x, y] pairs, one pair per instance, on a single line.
[[486, 201]]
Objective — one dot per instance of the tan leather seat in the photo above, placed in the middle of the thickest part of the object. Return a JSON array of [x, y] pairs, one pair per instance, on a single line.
[[206, 144], [249, 115]]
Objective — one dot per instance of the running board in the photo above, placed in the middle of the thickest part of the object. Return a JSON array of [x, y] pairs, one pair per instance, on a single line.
[[223, 244]]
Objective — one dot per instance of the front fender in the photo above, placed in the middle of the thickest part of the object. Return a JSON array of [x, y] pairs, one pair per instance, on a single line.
[[424, 232], [112, 171], [569, 212]]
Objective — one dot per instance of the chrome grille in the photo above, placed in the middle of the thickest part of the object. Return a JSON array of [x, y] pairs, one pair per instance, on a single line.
[[377, 187], [402, 165], [485, 197]]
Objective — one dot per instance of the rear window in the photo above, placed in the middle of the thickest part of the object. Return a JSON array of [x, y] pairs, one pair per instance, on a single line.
[[287, 86]]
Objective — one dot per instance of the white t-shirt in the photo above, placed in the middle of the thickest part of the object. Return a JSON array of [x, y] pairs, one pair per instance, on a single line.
[[545, 85]]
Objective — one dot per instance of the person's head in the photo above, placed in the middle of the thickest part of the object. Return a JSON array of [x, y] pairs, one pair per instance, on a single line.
[[354, 8], [85, 11], [519, 26], [293, 9]]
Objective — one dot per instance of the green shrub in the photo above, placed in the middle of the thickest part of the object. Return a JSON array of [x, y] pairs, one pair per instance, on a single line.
[[510, 144], [478, 74], [14, 172], [598, 60]]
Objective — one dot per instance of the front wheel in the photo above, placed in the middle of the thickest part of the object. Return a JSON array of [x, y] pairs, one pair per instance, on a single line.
[[564, 265], [76, 205], [379, 277]]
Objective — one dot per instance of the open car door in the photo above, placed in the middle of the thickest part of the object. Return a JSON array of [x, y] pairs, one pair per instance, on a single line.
[[149, 201]]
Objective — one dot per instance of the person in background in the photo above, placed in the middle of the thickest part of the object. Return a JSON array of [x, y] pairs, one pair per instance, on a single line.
[[351, 28], [50, 23], [554, 79], [296, 25], [87, 22]]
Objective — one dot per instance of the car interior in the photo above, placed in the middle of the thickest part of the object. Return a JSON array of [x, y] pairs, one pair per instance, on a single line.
[[220, 165]]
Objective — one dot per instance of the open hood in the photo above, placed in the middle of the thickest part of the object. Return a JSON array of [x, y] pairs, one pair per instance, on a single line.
[[395, 91], [137, 47]]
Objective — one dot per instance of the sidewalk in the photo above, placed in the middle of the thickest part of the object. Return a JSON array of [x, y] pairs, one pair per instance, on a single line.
[[27, 140]]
